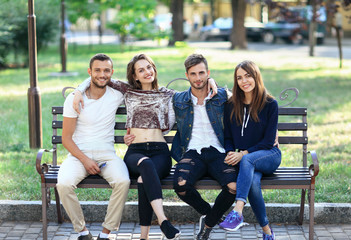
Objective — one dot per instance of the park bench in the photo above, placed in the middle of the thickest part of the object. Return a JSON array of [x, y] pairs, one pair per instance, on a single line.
[[291, 132]]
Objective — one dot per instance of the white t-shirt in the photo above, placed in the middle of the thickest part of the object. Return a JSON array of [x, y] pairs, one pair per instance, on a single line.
[[202, 135], [95, 123]]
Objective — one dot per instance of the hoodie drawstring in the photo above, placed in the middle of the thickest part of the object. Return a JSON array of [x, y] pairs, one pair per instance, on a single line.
[[245, 123]]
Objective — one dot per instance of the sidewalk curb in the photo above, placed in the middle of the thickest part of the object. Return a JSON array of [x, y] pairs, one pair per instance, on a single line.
[[325, 213]]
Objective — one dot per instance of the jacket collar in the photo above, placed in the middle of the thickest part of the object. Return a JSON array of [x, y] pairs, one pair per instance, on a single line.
[[188, 96]]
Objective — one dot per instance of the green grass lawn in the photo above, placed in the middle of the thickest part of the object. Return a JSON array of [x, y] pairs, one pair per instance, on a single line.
[[324, 89]]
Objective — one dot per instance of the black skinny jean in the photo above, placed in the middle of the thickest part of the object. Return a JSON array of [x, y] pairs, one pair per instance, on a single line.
[[156, 166], [194, 166]]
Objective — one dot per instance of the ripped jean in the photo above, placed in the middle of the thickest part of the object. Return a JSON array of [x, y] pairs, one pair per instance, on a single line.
[[252, 167], [154, 167], [194, 166]]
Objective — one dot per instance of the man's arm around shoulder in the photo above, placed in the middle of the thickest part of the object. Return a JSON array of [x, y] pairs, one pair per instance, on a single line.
[[68, 128]]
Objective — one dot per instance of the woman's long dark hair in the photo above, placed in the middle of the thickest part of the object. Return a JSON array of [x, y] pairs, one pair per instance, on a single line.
[[260, 94], [131, 71]]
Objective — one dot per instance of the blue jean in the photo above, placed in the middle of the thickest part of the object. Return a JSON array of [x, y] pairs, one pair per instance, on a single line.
[[252, 167]]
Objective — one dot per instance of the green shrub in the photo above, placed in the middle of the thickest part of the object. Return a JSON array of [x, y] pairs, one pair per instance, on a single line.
[[14, 27]]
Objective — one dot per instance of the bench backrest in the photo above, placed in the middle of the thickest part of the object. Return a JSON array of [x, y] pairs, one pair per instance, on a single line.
[[292, 128]]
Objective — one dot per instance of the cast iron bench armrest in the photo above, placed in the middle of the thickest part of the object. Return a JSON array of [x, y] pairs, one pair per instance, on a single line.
[[314, 168], [42, 168]]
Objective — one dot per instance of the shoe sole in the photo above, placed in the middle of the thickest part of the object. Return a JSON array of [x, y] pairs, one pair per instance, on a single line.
[[175, 237], [235, 229], [273, 235]]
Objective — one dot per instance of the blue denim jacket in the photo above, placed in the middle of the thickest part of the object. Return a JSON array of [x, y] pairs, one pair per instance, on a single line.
[[184, 113]]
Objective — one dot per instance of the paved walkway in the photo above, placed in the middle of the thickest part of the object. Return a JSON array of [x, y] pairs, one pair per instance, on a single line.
[[131, 231]]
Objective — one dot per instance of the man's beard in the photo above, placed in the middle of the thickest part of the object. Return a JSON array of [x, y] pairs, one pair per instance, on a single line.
[[194, 85], [99, 86]]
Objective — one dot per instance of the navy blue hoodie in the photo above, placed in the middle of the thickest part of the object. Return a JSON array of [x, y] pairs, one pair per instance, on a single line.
[[251, 136]]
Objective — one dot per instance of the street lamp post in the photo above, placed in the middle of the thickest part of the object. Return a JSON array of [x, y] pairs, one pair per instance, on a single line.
[[63, 38], [34, 100]]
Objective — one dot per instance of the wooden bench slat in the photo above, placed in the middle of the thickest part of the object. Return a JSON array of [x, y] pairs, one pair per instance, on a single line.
[[282, 139], [280, 177], [282, 111], [51, 178], [294, 111], [281, 126], [292, 126], [121, 110], [59, 110], [56, 124], [292, 140], [120, 126]]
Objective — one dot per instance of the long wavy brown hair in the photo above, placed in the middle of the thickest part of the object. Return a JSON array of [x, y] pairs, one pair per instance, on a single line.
[[260, 94], [131, 71]]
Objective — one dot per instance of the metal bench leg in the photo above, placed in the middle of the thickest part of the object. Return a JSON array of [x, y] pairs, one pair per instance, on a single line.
[[44, 212], [302, 206], [58, 207], [311, 206]]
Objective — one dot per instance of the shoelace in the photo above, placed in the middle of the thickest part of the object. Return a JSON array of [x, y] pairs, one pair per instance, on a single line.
[[206, 233], [227, 218], [233, 216], [266, 236]]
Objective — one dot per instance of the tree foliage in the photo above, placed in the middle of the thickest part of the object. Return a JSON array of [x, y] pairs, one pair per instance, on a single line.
[[14, 27], [87, 8], [134, 18]]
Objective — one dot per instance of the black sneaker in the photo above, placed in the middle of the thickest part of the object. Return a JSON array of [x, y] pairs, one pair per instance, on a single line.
[[99, 238], [201, 224], [169, 230], [204, 234], [86, 237]]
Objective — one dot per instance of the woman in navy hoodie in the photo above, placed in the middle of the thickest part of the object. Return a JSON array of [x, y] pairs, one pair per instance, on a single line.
[[250, 127]]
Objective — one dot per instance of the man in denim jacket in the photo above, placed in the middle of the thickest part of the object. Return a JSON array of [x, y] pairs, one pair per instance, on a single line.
[[198, 145]]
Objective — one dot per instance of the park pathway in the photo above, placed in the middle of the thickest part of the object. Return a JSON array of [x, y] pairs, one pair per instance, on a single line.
[[131, 231]]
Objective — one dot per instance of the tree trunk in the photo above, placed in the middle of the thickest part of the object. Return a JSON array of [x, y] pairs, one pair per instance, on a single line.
[[90, 35], [177, 21], [100, 28], [338, 37], [312, 28], [330, 16], [213, 17], [238, 35]]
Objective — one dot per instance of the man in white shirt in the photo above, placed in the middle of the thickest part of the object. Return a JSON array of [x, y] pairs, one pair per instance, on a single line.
[[198, 145], [89, 138]]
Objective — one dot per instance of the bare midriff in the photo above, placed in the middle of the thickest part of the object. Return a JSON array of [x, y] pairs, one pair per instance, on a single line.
[[147, 135]]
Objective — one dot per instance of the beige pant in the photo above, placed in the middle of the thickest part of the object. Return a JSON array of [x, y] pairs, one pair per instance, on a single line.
[[116, 174]]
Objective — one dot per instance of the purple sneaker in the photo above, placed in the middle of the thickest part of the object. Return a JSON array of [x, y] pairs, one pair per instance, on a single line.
[[232, 222], [268, 237]]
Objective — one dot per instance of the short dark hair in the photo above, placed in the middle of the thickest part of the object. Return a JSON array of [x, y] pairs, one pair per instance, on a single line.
[[194, 59], [100, 57]]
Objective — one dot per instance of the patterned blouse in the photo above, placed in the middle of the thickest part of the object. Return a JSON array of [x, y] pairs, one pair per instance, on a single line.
[[149, 109]]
